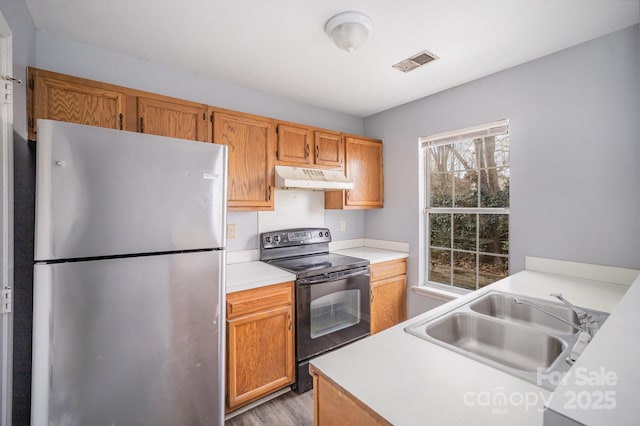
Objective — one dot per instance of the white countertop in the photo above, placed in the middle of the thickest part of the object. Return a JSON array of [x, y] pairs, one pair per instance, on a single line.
[[245, 275], [603, 389], [410, 381], [248, 275], [373, 255]]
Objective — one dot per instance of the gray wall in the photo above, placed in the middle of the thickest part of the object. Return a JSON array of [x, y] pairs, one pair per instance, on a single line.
[[60, 55], [575, 148]]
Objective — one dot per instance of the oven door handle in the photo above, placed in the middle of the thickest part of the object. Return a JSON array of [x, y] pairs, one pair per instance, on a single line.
[[334, 276]]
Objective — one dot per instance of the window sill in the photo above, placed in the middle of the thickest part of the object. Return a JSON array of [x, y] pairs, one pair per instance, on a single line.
[[437, 293]]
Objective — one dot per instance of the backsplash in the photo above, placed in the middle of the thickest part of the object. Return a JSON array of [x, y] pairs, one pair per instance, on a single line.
[[293, 209]]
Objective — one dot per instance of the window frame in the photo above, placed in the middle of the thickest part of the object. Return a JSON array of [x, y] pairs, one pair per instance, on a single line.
[[496, 128]]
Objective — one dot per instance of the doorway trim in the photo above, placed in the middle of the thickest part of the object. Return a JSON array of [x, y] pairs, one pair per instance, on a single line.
[[6, 220]]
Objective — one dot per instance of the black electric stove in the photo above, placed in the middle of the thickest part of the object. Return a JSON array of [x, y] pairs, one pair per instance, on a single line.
[[332, 293]]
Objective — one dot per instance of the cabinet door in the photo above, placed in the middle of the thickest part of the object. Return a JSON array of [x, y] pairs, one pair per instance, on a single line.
[[363, 161], [332, 405], [294, 144], [328, 149], [388, 303], [364, 167], [174, 118], [260, 354], [251, 157], [74, 100]]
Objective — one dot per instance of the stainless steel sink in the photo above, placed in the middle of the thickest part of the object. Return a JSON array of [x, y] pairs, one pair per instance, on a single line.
[[515, 338], [517, 347], [503, 306]]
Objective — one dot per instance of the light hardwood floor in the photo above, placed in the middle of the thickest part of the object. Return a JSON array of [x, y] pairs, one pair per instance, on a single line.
[[289, 409]]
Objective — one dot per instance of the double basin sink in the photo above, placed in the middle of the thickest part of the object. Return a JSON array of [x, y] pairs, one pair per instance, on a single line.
[[506, 332]]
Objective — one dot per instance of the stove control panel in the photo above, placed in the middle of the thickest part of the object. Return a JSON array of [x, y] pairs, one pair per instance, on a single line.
[[294, 237]]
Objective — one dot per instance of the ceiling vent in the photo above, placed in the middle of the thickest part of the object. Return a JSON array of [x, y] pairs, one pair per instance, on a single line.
[[417, 60]]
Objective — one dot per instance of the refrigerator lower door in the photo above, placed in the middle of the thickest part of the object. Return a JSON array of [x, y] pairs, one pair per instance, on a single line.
[[130, 341], [104, 192]]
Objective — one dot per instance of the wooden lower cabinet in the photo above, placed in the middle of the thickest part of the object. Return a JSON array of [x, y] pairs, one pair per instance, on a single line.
[[388, 294], [260, 348], [332, 405]]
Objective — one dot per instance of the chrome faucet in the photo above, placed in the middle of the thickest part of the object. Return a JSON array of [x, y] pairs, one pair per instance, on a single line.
[[582, 315], [585, 318], [585, 323], [541, 309]]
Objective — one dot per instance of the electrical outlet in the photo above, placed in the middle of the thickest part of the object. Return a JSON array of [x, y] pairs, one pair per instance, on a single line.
[[231, 231], [343, 226]]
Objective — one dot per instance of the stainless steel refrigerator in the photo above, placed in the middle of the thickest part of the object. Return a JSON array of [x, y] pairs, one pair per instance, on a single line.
[[129, 278]]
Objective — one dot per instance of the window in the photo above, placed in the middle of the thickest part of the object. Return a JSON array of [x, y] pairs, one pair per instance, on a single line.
[[467, 206]]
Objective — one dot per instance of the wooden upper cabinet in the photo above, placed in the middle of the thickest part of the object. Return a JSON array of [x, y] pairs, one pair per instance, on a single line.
[[363, 161], [172, 117], [294, 144], [251, 139], [328, 149], [75, 100], [251, 142], [303, 146]]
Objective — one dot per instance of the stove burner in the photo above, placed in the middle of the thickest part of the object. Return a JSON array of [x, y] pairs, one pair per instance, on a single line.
[[306, 266], [316, 264]]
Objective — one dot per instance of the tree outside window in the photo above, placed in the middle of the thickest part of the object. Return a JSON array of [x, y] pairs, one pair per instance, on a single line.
[[468, 211]]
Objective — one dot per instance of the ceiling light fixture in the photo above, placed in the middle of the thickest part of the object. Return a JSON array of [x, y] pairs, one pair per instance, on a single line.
[[349, 30]]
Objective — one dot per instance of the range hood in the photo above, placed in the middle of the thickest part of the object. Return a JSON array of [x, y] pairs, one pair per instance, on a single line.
[[314, 179]]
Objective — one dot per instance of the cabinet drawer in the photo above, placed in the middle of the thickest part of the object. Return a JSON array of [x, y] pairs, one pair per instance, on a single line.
[[248, 301], [380, 271]]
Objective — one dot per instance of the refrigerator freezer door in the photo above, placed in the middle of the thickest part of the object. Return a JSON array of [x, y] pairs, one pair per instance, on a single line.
[[130, 341], [103, 192]]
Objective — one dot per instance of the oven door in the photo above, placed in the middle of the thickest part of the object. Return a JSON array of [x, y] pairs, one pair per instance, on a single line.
[[331, 310]]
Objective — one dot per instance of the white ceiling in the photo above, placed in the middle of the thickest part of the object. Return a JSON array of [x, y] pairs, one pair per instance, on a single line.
[[279, 46]]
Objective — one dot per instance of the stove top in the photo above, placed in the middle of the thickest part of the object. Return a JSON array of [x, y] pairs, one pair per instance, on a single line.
[[315, 264], [304, 252]]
